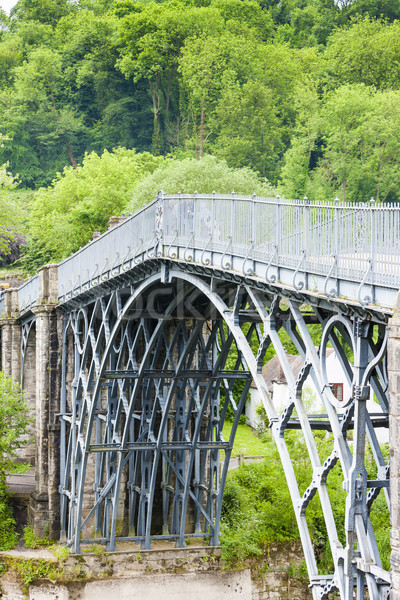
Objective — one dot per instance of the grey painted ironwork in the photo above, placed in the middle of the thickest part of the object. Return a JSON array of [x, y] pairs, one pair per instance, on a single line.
[[28, 294], [152, 310], [150, 394], [340, 250], [145, 398]]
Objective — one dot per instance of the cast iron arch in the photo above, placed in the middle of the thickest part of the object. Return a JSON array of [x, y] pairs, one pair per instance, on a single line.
[[352, 566]]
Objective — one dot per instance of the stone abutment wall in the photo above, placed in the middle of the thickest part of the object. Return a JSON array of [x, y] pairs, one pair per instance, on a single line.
[[176, 574]]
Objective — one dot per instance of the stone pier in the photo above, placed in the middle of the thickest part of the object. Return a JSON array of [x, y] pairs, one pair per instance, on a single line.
[[11, 336], [44, 502], [39, 373]]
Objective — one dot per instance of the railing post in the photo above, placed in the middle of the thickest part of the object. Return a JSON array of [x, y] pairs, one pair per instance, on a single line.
[[233, 216], [373, 247], [336, 240], [337, 228], [253, 207], [278, 233], [213, 225], [193, 232], [306, 226]]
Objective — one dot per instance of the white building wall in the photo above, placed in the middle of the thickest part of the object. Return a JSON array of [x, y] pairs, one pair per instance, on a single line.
[[280, 397]]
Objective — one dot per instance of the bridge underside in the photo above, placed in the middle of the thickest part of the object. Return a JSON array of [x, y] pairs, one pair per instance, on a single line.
[[154, 365]]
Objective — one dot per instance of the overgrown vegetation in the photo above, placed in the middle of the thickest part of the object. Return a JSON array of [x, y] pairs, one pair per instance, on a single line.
[[14, 422], [30, 539], [257, 507], [303, 94]]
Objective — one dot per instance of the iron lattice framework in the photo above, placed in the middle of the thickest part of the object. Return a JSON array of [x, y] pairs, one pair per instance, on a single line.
[[152, 376]]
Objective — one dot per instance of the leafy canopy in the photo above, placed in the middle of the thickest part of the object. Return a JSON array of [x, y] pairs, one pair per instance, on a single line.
[[204, 175], [80, 201]]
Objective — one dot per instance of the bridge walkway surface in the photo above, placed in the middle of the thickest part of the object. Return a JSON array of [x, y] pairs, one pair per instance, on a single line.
[[134, 350]]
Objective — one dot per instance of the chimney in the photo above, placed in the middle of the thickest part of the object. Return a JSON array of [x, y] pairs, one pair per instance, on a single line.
[[96, 234], [113, 221]]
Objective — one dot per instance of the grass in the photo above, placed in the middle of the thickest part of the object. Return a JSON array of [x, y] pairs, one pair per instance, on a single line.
[[246, 442], [10, 270]]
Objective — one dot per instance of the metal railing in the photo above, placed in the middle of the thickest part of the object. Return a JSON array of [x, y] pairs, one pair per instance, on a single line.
[[116, 251], [28, 294], [359, 243]]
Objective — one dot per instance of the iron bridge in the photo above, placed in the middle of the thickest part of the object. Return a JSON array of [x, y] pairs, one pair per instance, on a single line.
[[167, 319]]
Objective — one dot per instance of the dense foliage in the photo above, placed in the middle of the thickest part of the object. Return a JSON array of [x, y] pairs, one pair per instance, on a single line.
[[257, 507], [13, 435], [81, 200], [286, 88], [203, 175], [304, 93]]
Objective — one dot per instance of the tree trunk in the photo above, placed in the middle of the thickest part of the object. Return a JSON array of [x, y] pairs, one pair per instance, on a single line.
[[155, 96], [71, 156], [68, 145], [167, 97], [203, 111]]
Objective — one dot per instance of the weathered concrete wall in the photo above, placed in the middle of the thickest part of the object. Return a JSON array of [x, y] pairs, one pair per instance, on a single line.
[[196, 586], [394, 433], [194, 573]]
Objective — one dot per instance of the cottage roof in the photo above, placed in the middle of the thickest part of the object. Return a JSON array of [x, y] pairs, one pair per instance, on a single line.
[[273, 373]]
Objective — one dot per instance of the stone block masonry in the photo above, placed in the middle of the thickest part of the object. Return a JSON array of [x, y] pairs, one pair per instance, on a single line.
[[40, 373], [197, 573]]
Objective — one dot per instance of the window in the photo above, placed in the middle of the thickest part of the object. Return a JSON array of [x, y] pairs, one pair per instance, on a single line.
[[337, 391]]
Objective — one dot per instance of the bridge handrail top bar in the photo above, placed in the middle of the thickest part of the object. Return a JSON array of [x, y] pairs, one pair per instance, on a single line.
[[150, 226], [109, 231], [236, 197], [28, 282], [335, 203]]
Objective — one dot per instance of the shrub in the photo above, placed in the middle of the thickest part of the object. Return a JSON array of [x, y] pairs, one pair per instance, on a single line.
[[13, 426]]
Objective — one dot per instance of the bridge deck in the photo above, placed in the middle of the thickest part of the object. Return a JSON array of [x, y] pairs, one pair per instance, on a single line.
[[348, 251]]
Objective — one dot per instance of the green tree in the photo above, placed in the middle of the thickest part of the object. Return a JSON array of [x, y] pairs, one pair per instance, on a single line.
[[205, 175], [152, 37], [301, 156], [9, 213], [246, 17], [45, 129], [43, 11], [368, 52], [347, 147], [306, 24], [36, 84], [80, 201], [208, 66], [114, 110], [250, 129]]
